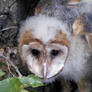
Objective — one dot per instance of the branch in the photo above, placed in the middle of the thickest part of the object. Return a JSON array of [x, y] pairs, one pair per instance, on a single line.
[[11, 27], [11, 63]]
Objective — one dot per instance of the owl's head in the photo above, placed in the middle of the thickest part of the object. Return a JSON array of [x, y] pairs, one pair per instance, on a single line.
[[44, 45]]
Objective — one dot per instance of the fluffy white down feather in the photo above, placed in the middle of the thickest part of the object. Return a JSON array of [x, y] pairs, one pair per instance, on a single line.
[[45, 28]]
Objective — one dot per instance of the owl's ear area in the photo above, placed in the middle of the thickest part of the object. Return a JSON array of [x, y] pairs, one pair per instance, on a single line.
[[82, 28], [78, 26], [40, 6], [37, 10], [90, 40]]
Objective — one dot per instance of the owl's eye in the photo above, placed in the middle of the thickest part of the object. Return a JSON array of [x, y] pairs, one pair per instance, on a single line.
[[35, 52], [54, 53]]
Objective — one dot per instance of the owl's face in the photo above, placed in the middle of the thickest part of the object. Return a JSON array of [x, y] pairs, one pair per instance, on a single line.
[[44, 58]]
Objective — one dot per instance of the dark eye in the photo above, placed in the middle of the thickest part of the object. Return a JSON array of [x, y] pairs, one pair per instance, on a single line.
[[35, 52], [54, 53]]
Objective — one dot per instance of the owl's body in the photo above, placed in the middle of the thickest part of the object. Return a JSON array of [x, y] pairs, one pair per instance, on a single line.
[[57, 41]]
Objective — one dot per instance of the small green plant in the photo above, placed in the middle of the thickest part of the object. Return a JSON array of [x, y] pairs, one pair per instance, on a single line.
[[17, 84]]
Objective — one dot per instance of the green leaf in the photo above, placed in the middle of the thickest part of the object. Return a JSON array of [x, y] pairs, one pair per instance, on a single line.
[[32, 91], [11, 85], [24, 90], [28, 91], [31, 80], [1, 63], [1, 73]]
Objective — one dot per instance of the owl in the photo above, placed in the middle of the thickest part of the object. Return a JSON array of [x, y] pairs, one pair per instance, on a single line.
[[57, 41]]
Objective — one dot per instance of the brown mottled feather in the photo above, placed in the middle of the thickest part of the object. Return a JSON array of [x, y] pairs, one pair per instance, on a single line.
[[90, 40]]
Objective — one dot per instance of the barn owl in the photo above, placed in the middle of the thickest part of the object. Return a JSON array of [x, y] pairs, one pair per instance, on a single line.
[[57, 40]]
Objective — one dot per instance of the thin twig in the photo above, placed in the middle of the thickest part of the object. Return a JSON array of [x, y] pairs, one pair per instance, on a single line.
[[11, 27], [12, 4], [19, 74], [10, 69], [11, 63]]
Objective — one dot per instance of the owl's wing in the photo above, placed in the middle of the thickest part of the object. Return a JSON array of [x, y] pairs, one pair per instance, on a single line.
[[83, 26], [89, 38]]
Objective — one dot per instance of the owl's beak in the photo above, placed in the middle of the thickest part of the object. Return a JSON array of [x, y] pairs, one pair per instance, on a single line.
[[44, 70], [50, 71]]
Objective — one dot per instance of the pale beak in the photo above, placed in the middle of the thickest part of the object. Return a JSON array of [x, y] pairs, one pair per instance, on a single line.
[[44, 70]]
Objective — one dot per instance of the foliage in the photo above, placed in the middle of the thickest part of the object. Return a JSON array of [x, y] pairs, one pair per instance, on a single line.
[[1, 63], [15, 84], [11, 85], [18, 84], [1, 73], [31, 80]]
